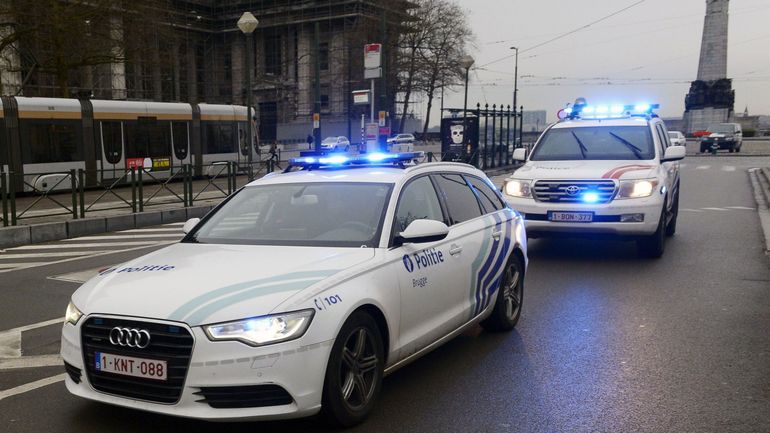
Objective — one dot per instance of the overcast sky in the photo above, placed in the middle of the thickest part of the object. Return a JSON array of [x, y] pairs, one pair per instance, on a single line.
[[649, 53]]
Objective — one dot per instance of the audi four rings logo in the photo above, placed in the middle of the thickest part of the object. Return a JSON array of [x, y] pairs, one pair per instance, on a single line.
[[130, 337], [572, 189]]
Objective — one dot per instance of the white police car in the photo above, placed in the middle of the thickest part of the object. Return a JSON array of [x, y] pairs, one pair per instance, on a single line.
[[601, 170], [300, 292]]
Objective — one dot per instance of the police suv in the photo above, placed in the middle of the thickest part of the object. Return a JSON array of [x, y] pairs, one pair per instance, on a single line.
[[604, 170], [300, 292]]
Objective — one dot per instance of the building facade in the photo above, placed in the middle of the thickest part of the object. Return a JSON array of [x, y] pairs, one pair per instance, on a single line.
[[199, 55]]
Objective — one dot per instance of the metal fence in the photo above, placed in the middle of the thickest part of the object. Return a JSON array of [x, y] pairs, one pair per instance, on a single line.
[[500, 130], [77, 193]]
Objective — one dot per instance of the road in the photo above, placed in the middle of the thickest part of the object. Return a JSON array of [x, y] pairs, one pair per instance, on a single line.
[[607, 341]]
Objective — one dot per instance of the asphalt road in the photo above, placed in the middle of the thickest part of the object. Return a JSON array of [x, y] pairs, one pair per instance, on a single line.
[[607, 341]]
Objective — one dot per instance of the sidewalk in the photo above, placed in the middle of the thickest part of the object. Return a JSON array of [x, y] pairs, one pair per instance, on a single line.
[[760, 180], [45, 219]]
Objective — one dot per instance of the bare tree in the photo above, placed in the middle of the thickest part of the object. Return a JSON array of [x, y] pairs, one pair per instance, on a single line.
[[63, 37], [434, 41], [440, 61]]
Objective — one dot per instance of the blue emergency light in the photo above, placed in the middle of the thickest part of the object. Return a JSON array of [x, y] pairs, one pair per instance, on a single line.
[[317, 160], [582, 110]]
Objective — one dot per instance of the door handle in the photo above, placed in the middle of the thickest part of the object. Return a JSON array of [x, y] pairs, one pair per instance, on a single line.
[[455, 249], [497, 234]]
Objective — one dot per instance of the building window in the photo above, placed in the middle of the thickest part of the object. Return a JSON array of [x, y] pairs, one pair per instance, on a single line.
[[273, 54], [323, 55]]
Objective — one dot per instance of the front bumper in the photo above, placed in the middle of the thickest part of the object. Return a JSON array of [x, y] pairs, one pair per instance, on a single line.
[[607, 217], [295, 366], [726, 143]]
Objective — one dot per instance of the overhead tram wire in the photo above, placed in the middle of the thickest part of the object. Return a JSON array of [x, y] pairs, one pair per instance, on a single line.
[[563, 35]]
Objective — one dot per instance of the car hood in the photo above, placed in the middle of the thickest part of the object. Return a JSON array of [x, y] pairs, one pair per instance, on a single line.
[[718, 135], [579, 170], [205, 283]]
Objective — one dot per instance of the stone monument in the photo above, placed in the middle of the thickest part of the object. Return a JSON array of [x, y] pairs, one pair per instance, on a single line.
[[711, 97]]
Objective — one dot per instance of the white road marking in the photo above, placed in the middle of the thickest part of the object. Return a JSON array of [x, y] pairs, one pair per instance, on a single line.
[[728, 168], [88, 257], [21, 265], [32, 386], [78, 277], [10, 340], [83, 245], [96, 238], [39, 255], [30, 362], [690, 210], [741, 208], [168, 230], [716, 208], [703, 167]]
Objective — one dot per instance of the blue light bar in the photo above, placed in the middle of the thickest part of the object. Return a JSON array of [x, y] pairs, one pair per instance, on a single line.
[[586, 111], [323, 160]]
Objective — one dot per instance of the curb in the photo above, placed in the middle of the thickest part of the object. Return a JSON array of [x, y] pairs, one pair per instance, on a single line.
[[760, 181], [54, 231]]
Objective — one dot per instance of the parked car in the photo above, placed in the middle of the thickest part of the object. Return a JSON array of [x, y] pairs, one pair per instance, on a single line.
[[723, 136], [677, 138], [401, 143], [336, 143]]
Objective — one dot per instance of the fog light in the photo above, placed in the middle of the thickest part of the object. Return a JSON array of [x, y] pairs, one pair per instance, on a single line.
[[632, 218]]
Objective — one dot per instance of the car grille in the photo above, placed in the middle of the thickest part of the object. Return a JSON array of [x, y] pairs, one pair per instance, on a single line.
[[557, 191], [229, 397], [169, 343]]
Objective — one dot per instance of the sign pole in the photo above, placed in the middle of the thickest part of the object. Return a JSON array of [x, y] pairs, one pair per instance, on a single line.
[[371, 102]]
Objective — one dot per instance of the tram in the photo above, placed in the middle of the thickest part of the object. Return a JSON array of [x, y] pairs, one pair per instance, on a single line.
[[40, 136]]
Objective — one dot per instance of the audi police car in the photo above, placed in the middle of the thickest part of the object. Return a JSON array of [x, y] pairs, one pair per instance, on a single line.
[[300, 292], [607, 170]]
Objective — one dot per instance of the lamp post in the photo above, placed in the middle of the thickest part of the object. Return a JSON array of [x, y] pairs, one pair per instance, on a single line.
[[247, 24], [466, 62], [515, 92]]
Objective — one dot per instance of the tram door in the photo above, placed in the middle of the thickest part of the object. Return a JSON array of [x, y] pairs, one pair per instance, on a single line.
[[110, 135], [180, 141]]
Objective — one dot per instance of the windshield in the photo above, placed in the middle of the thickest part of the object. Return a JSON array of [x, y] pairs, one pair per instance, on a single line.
[[335, 214], [673, 134], [592, 143], [330, 140], [722, 129]]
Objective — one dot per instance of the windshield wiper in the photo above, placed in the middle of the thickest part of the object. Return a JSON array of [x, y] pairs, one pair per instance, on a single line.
[[636, 150], [583, 148]]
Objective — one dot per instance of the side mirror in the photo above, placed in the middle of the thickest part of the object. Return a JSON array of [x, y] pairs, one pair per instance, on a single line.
[[190, 224], [520, 154], [422, 231], [673, 153]]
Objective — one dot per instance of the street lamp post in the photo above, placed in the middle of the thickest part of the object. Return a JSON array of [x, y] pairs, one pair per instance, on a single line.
[[247, 24], [515, 92], [466, 62]]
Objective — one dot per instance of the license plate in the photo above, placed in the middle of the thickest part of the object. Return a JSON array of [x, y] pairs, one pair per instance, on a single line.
[[130, 366], [571, 217]]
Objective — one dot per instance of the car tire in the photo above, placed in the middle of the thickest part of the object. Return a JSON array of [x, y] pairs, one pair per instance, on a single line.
[[702, 149], [671, 226], [509, 299], [354, 374], [652, 246], [732, 148], [738, 149]]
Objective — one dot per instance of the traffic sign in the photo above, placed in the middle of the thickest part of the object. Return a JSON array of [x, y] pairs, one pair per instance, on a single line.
[[316, 120], [382, 118], [361, 97], [372, 56]]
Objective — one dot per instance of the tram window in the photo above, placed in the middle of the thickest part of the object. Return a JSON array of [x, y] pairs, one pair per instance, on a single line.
[[219, 138], [50, 141], [148, 140], [112, 140], [181, 143]]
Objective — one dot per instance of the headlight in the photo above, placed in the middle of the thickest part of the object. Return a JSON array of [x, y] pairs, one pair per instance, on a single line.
[[73, 314], [518, 188], [259, 331], [637, 188]]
